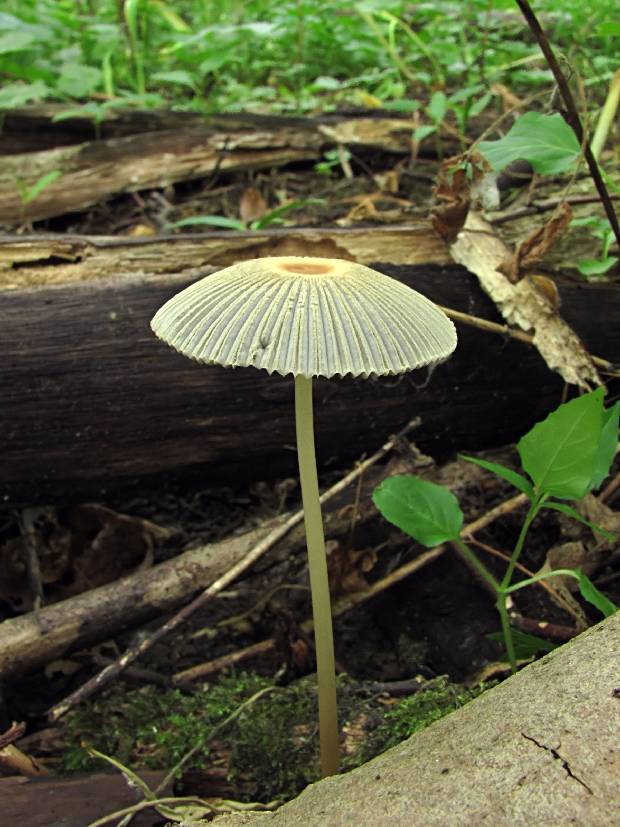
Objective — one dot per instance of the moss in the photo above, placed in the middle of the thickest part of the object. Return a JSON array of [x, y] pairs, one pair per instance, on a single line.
[[274, 742], [409, 715], [150, 727]]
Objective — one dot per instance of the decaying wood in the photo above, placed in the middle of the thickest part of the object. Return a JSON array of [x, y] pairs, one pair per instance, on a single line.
[[33, 639], [33, 127], [40, 260], [94, 171], [92, 401], [541, 748], [72, 802], [480, 250]]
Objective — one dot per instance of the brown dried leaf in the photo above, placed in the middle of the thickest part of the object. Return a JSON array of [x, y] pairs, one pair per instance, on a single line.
[[252, 205], [531, 251], [509, 99], [453, 193], [348, 569]]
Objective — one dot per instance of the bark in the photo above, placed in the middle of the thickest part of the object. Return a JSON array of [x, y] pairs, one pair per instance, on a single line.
[[38, 260], [74, 802], [95, 403], [93, 171], [541, 748], [38, 637]]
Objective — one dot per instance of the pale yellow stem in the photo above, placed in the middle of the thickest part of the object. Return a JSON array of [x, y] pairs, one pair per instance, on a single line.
[[319, 583]]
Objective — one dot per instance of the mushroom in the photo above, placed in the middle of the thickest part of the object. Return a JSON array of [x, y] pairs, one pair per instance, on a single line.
[[308, 317]]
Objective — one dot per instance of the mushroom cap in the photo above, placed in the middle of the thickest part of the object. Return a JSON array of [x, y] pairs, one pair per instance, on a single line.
[[306, 316]]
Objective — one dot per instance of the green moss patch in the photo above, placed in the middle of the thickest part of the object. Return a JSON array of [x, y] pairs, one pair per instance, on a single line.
[[273, 742]]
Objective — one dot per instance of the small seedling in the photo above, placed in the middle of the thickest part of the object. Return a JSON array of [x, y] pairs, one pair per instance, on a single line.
[[601, 229], [565, 457], [274, 216], [30, 192]]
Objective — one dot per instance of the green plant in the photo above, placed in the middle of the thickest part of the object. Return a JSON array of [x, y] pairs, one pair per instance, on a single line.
[[546, 141], [29, 192], [565, 457], [274, 216], [332, 159], [601, 229]]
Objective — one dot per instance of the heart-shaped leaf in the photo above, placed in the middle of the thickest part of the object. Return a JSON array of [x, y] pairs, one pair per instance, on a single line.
[[546, 141], [608, 445]]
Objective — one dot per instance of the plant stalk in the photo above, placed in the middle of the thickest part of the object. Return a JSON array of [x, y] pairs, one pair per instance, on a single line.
[[531, 514], [319, 583]]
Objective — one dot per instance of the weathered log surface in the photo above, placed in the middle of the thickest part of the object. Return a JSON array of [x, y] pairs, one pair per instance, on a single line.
[[32, 128], [92, 401], [31, 261], [97, 169], [74, 802], [541, 748]]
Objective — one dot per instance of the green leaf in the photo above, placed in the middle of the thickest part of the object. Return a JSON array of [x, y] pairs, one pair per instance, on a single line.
[[37, 188], [526, 646], [274, 216], [210, 220], [77, 80], [427, 512], [608, 445], [546, 141], [92, 110], [421, 132], [17, 94], [590, 593], [437, 107], [560, 453], [575, 515], [596, 266], [16, 41], [178, 77], [505, 473]]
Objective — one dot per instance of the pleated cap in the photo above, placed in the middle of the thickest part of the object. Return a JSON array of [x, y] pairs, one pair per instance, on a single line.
[[306, 316]]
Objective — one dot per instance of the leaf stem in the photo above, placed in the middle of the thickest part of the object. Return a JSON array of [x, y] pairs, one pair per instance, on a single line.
[[535, 506], [480, 567]]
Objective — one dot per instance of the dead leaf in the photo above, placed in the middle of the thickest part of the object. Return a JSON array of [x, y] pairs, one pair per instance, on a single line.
[[252, 205], [509, 99], [478, 248], [453, 193], [388, 181], [140, 231], [530, 252], [77, 549], [348, 568]]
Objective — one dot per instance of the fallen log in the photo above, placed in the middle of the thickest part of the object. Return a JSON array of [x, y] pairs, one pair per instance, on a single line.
[[74, 802], [93, 171], [94, 403], [541, 748], [39, 260], [33, 128], [35, 638]]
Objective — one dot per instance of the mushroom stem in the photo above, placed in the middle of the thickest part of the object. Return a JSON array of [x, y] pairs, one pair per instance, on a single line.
[[319, 583]]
